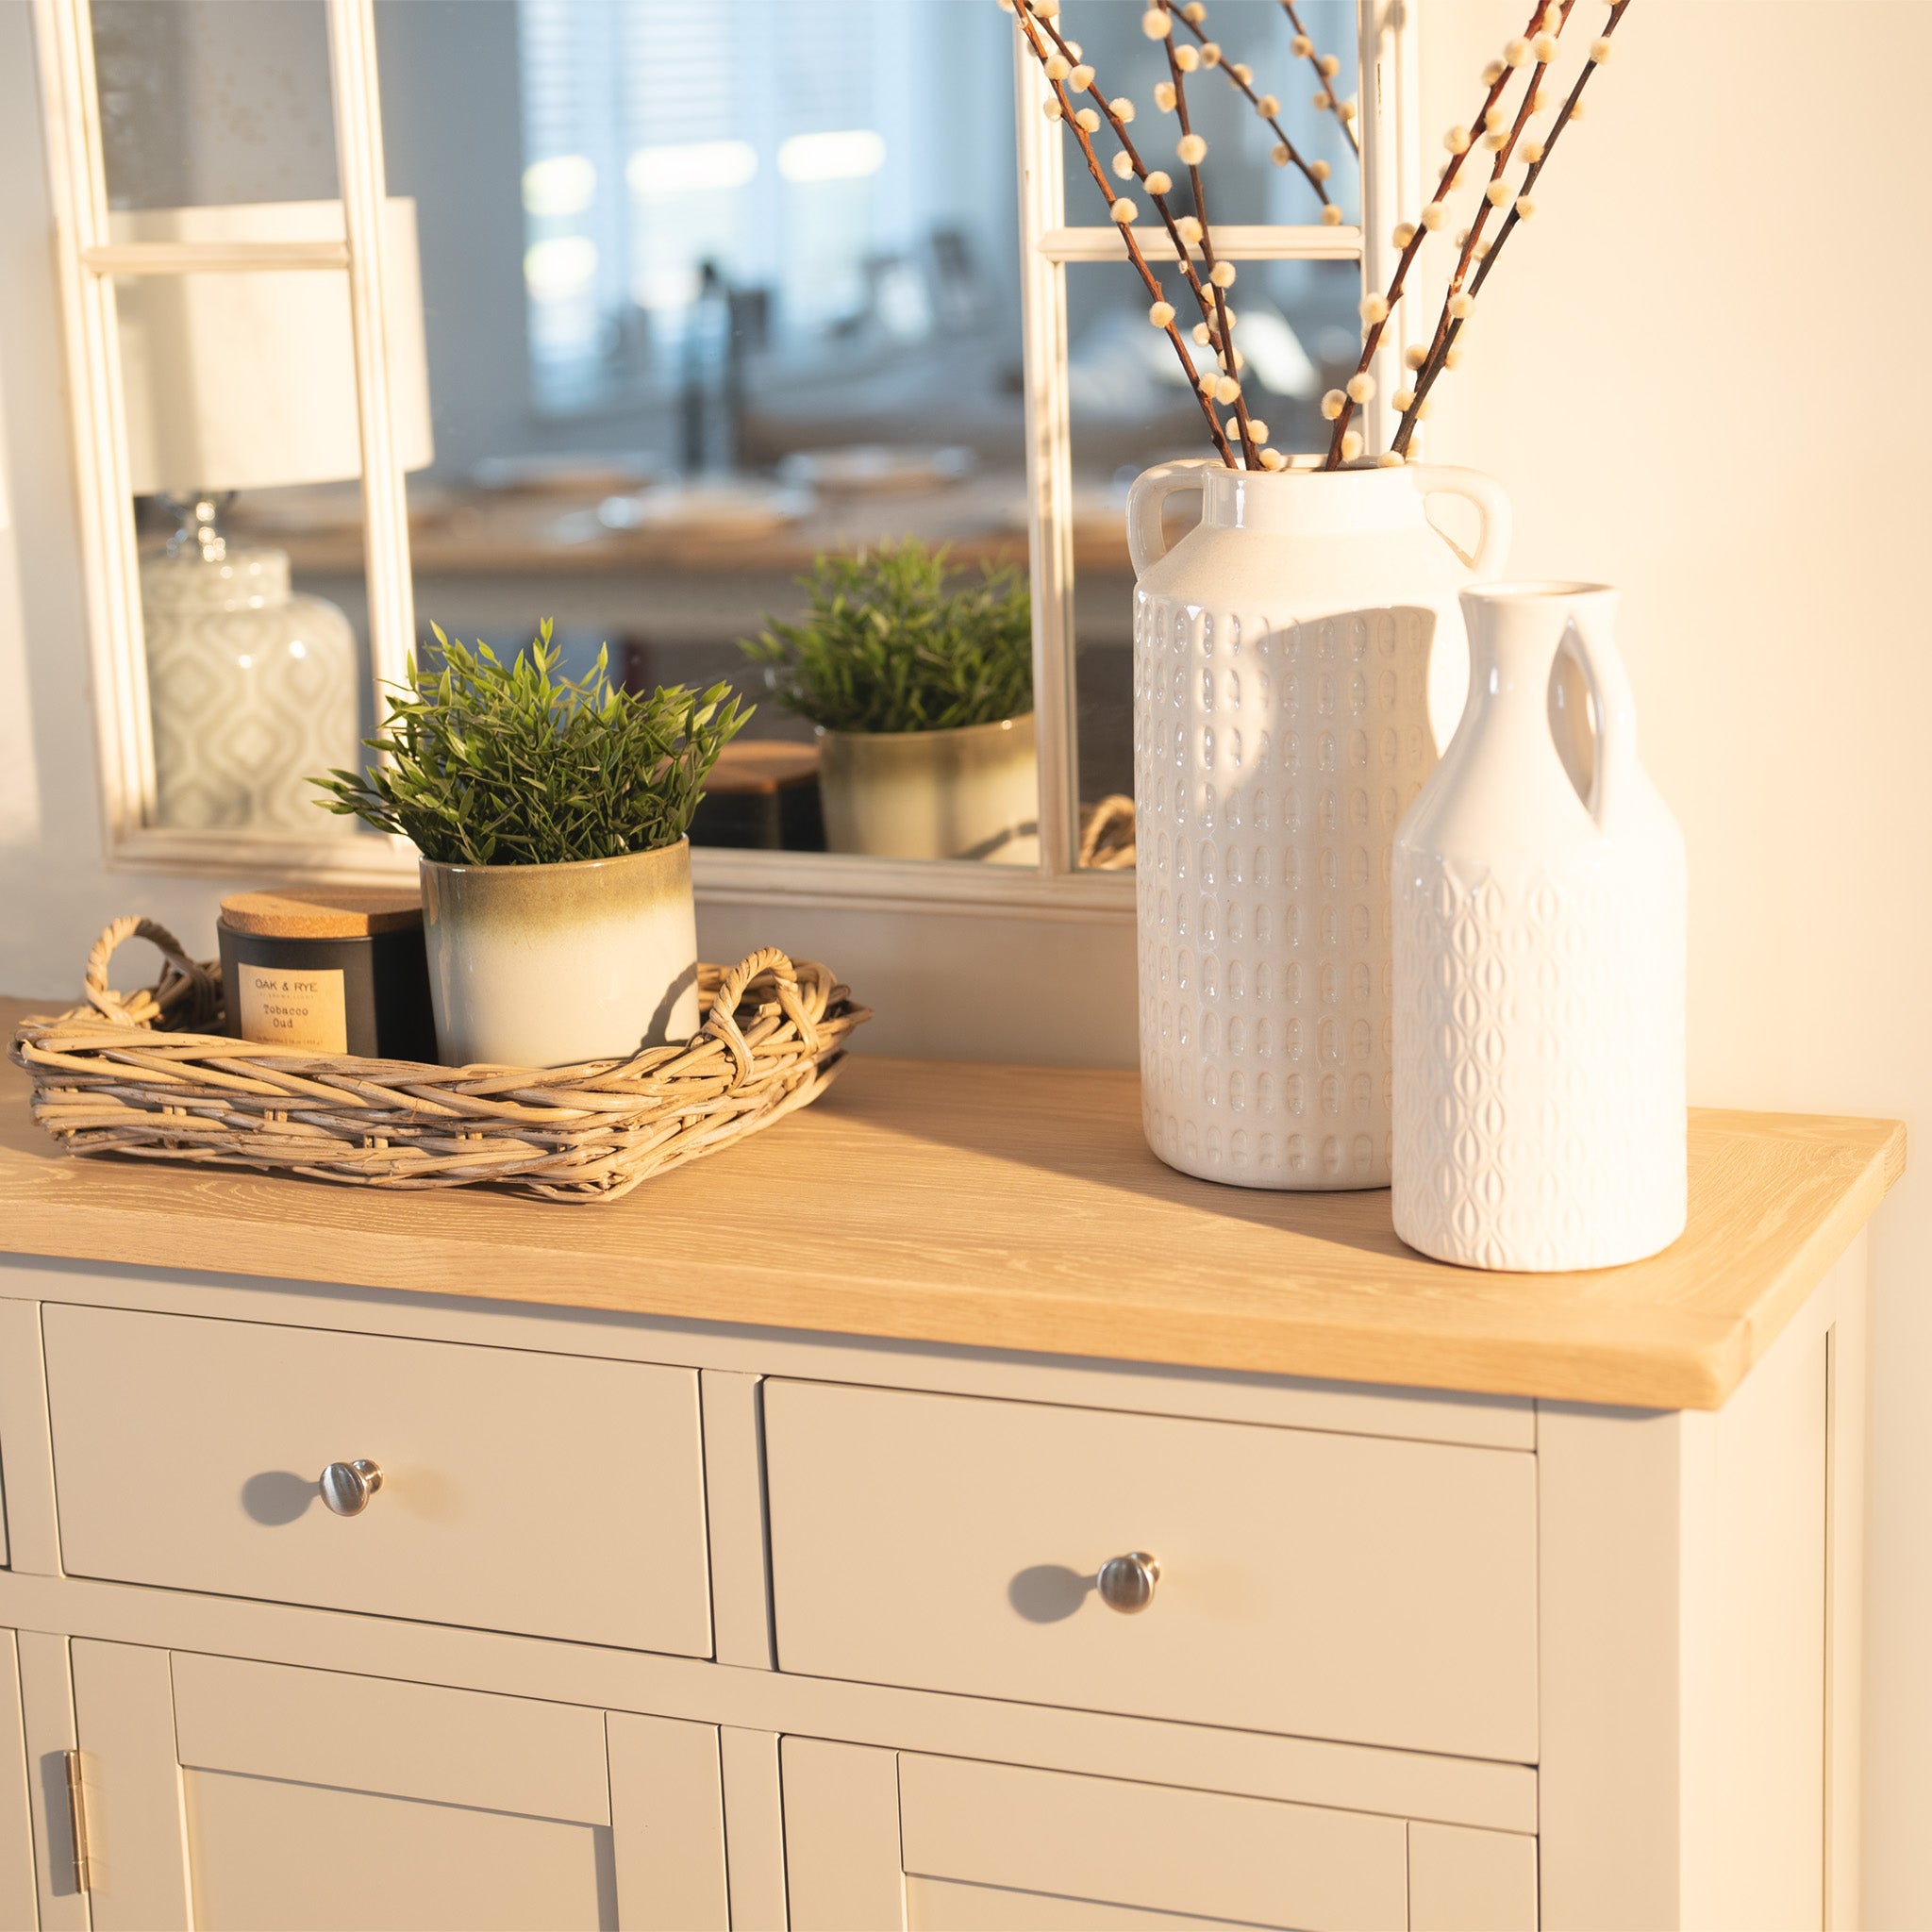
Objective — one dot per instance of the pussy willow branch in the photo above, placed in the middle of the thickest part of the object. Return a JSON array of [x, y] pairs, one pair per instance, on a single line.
[[1471, 249], [1220, 333], [1618, 9], [1372, 340], [1313, 57], [1030, 26], [1191, 17], [1203, 294], [1425, 376]]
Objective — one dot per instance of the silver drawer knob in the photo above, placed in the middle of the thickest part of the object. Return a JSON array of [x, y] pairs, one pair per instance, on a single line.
[[346, 1487], [1127, 1583]]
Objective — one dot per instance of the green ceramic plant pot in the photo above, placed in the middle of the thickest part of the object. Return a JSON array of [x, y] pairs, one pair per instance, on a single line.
[[544, 965]]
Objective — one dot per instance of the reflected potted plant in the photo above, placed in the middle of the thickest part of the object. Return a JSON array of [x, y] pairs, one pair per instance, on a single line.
[[921, 690], [551, 814]]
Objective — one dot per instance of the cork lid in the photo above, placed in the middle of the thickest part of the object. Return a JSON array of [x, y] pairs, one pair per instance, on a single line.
[[324, 912]]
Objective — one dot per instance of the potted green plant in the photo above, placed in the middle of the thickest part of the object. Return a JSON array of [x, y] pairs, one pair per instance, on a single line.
[[550, 815], [923, 694]]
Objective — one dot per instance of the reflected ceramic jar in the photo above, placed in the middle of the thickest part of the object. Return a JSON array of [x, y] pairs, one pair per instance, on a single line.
[[971, 791], [252, 687]]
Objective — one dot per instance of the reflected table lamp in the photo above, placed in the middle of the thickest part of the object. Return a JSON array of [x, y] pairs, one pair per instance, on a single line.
[[247, 381]]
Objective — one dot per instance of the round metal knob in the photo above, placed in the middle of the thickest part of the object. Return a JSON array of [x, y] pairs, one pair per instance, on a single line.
[[1127, 1583], [346, 1487]]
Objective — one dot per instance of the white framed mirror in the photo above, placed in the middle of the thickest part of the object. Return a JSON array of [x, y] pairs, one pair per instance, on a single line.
[[623, 316]]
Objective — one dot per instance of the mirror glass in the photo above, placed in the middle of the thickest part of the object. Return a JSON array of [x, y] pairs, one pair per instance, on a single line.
[[690, 304], [1278, 170], [239, 393], [712, 293], [204, 102]]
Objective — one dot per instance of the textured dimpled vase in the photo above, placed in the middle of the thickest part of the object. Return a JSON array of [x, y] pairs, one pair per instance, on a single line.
[[1289, 654], [1540, 943]]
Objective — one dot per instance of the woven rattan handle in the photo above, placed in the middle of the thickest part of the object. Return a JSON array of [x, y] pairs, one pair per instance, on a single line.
[[720, 1022], [185, 983]]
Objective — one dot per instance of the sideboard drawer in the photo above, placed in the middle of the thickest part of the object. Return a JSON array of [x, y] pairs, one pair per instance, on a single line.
[[554, 1495], [1342, 1587]]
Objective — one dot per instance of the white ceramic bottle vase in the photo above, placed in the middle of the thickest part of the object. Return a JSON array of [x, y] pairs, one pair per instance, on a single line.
[[1540, 941], [1286, 654]]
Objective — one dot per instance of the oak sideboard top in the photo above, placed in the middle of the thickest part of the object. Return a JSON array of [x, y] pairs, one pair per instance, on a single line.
[[1019, 1208]]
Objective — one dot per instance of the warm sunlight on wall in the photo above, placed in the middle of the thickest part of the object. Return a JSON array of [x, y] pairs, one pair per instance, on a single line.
[[1693, 374]]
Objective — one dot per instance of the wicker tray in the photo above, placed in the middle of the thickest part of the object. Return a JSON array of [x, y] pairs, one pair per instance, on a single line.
[[126, 1075]]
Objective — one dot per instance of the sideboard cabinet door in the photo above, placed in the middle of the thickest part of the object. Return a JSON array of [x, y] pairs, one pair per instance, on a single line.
[[230, 1794], [878, 1840], [17, 1902]]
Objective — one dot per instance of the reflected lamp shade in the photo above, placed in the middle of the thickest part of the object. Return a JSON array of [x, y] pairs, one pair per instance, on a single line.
[[243, 381], [247, 381]]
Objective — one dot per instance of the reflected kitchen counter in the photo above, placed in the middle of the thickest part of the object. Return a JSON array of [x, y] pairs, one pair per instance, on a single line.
[[467, 533]]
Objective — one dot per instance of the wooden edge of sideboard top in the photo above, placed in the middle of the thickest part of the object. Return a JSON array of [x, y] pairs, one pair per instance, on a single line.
[[1019, 1208]]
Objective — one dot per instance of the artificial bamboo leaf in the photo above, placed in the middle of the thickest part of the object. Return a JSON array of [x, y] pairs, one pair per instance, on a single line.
[[494, 764], [886, 646]]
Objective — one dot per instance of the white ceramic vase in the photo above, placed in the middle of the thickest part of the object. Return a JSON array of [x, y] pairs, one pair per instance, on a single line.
[[1540, 942], [1287, 655], [971, 792], [544, 965]]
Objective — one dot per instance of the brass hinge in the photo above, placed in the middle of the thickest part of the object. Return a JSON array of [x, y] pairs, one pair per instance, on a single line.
[[76, 1819]]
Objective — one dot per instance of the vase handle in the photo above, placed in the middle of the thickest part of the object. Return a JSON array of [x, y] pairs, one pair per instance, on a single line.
[[1448, 479], [1148, 498], [1587, 638]]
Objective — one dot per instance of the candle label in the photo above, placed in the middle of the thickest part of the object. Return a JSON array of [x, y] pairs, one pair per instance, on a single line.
[[300, 1010]]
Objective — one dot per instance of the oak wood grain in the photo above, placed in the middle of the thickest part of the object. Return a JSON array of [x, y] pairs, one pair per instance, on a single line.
[[1019, 1208]]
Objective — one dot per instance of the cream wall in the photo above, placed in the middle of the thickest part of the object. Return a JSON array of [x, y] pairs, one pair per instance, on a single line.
[[1693, 373]]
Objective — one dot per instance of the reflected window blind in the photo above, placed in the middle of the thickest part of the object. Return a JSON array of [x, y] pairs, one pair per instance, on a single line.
[[658, 136]]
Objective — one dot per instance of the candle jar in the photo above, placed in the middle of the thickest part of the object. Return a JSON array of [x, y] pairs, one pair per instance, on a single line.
[[328, 972]]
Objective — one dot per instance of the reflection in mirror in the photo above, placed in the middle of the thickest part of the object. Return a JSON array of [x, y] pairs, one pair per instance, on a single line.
[[920, 687], [1278, 151], [255, 682], [1277, 169], [240, 399], [710, 292], [206, 101], [242, 443], [708, 295], [1131, 408]]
